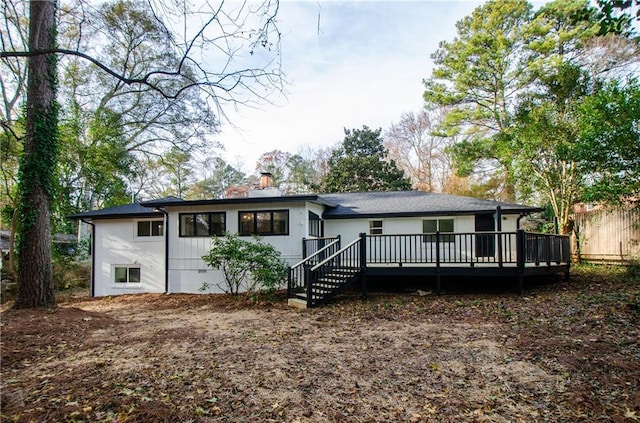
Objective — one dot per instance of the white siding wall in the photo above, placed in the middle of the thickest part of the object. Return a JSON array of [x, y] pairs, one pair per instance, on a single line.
[[187, 271], [117, 245], [349, 229]]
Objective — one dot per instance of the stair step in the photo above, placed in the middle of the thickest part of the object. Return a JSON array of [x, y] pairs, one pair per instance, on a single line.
[[327, 285], [297, 302], [313, 297]]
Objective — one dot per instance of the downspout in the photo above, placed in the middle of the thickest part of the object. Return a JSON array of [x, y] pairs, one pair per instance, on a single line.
[[166, 248], [92, 286], [498, 217]]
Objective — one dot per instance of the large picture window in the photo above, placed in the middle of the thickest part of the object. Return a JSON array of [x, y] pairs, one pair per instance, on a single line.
[[267, 222], [202, 224], [149, 228], [126, 274], [444, 226]]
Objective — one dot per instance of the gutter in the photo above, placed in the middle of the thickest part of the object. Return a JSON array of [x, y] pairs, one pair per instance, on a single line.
[[166, 248], [92, 286]]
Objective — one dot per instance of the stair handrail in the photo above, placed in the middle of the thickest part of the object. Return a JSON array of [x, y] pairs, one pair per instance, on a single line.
[[306, 259], [334, 255]]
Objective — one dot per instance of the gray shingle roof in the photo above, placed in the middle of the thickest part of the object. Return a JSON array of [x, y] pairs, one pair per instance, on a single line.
[[339, 206], [411, 203], [128, 210]]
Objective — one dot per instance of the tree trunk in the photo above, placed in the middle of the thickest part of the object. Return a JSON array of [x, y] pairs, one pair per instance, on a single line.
[[35, 271]]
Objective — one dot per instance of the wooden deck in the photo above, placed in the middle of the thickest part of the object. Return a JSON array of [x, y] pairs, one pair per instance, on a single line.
[[512, 254]]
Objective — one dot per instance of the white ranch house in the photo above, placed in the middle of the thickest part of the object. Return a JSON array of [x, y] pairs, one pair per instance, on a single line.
[[156, 246]]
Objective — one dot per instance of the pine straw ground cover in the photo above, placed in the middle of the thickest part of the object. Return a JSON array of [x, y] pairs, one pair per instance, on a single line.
[[565, 351]]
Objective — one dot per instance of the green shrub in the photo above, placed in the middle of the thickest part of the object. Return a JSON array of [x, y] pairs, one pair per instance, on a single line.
[[246, 265]]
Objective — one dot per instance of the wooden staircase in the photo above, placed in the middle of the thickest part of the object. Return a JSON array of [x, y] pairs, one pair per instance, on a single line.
[[325, 286], [311, 285]]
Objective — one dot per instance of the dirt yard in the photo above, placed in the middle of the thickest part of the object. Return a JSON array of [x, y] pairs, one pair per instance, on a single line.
[[563, 352]]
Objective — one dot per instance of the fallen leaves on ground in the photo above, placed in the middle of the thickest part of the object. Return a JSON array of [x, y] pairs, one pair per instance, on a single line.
[[564, 351]]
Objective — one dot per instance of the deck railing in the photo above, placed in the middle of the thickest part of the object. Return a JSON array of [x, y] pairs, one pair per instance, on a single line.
[[317, 249], [474, 248], [310, 246], [516, 250], [333, 274], [546, 248]]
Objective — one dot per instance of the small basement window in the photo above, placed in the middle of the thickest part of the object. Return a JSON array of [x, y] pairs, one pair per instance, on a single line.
[[126, 274], [375, 227]]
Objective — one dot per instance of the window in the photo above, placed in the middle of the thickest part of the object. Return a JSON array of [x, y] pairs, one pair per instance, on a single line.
[[267, 222], [150, 228], [126, 275], [202, 224], [315, 225], [438, 225], [375, 227]]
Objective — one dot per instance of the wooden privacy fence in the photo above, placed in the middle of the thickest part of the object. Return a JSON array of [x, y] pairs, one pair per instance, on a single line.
[[610, 235]]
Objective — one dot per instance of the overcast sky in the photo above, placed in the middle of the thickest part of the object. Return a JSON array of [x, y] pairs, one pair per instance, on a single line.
[[348, 64]]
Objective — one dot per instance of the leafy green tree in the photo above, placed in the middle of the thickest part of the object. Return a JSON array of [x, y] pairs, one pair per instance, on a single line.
[[227, 34], [301, 174], [478, 76], [614, 16], [556, 38], [546, 135], [10, 150], [94, 163], [360, 164], [246, 265], [13, 78], [218, 176], [608, 149], [170, 174]]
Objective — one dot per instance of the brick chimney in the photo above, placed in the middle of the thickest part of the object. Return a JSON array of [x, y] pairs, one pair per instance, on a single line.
[[266, 180], [265, 187]]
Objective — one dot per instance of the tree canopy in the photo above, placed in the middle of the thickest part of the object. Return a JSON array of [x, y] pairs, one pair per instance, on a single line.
[[532, 97], [360, 164]]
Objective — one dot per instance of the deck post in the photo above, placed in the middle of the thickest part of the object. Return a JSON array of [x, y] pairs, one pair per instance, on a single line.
[[363, 264], [304, 248], [498, 217], [520, 259], [566, 256], [309, 283], [289, 288], [438, 278]]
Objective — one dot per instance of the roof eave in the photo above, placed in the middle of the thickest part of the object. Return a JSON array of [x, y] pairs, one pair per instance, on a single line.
[[430, 213], [244, 200]]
